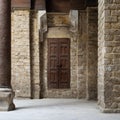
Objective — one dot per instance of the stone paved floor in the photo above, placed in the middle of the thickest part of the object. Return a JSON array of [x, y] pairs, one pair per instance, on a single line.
[[56, 109]]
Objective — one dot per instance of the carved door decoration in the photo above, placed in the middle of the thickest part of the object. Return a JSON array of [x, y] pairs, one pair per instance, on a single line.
[[58, 63]]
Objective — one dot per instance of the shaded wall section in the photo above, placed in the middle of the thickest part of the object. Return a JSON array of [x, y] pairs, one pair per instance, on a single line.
[[82, 51], [92, 52]]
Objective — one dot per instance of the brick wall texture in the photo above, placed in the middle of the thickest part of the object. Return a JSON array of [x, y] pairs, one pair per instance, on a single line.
[[29, 54], [21, 81], [94, 54], [109, 55]]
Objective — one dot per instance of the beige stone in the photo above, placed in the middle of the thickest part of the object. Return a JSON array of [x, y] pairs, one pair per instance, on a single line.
[[29, 54], [108, 61], [20, 49]]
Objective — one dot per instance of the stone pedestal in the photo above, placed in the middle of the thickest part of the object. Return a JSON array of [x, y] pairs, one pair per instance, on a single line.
[[6, 93], [6, 99]]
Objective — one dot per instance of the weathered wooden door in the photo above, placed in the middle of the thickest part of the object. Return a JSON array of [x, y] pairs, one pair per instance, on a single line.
[[58, 63]]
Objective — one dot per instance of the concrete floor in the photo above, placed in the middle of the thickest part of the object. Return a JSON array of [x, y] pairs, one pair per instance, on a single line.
[[57, 109]]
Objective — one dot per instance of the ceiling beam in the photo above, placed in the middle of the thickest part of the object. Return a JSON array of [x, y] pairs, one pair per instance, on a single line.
[[78, 4], [24, 4], [58, 5], [54, 5], [91, 3], [39, 4]]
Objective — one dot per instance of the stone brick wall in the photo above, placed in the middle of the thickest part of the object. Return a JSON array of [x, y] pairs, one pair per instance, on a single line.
[[58, 29], [87, 54], [109, 55], [21, 53], [29, 56], [28, 51], [92, 57]]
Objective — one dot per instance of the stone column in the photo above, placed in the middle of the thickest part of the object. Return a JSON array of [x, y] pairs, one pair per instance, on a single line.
[[109, 55], [6, 93]]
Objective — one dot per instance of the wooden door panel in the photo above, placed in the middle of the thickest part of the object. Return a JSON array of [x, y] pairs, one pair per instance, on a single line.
[[53, 49], [64, 59], [64, 46], [63, 49], [64, 64], [64, 79], [53, 79], [58, 63], [52, 63]]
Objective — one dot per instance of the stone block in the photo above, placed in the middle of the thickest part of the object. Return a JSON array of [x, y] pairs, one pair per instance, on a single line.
[[117, 38], [111, 19], [117, 99], [117, 1], [58, 20], [114, 105]]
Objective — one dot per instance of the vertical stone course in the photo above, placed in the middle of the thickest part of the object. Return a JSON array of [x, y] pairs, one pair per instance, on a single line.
[[34, 55], [21, 53], [82, 51], [101, 51], [109, 57]]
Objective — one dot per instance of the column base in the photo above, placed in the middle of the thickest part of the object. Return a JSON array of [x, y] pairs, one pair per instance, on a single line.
[[6, 99], [107, 110]]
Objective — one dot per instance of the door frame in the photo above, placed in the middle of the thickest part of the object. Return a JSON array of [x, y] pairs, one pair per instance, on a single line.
[[58, 58]]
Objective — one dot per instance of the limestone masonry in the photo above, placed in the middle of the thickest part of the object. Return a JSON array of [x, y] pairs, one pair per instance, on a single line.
[[94, 53]]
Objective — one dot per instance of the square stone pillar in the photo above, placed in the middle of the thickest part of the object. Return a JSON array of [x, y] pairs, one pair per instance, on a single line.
[[109, 55], [6, 93], [92, 58]]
